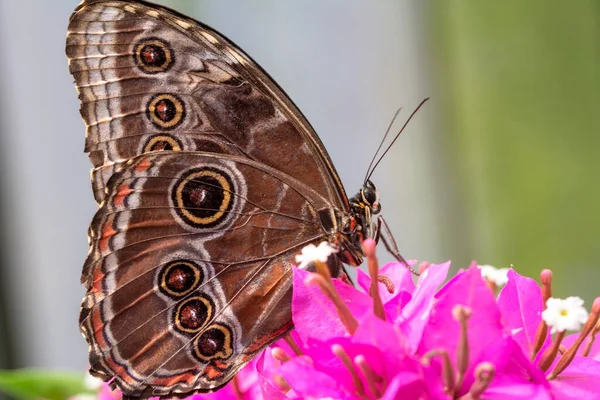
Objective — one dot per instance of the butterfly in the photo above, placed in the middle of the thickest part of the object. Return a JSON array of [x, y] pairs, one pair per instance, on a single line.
[[209, 181]]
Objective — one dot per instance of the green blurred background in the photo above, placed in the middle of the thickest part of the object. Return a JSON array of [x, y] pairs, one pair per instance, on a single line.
[[500, 166], [521, 106]]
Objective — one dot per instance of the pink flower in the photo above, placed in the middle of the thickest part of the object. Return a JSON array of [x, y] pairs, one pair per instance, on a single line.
[[335, 349], [416, 342], [353, 345], [466, 324], [403, 301], [395, 339], [575, 374], [346, 350]]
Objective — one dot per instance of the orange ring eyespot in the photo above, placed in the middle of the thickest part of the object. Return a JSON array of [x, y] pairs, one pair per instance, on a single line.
[[203, 197], [162, 142], [153, 55], [192, 314], [214, 343], [179, 278], [166, 111]]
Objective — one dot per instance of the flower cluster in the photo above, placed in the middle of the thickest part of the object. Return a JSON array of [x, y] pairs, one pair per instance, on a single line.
[[391, 338]]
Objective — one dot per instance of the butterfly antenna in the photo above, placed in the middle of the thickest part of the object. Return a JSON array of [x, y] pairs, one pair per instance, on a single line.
[[381, 144], [396, 138]]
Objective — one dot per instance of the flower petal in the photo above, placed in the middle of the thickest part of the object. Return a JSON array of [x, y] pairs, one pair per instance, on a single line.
[[485, 334], [504, 387], [400, 277], [516, 376], [521, 305], [306, 381], [393, 308], [265, 366], [580, 380], [313, 313], [405, 386], [414, 315], [325, 361], [389, 341]]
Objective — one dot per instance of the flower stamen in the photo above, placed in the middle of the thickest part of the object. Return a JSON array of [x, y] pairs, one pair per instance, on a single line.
[[345, 358], [281, 382], [484, 374], [293, 345], [368, 247], [447, 369], [423, 267], [542, 330], [346, 317], [562, 349], [462, 315], [280, 355], [370, 376], [590, 343], [550, 354]]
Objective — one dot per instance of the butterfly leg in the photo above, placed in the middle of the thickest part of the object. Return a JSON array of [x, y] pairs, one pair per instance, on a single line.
[[385, 234]]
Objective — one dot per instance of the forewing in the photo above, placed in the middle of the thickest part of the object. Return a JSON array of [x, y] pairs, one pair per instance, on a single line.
[[151, 79]]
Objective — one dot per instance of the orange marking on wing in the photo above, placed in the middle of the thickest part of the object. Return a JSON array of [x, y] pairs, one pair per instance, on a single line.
[[212, 373], [97, 278], [170, 381], [143, 166], [124, 191], [98, 323], [120, 371], [107, 232]]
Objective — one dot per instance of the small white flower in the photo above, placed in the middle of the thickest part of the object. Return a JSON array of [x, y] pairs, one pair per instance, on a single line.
[[311, 253], [91, 382], [498, 276], [84, 396], [565, 314]]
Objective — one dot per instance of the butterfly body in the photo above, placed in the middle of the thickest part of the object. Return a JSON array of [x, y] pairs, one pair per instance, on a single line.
[[209, 181]]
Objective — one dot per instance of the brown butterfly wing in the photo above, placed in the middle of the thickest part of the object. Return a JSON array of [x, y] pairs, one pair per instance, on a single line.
[[184, 287], [151, 79], [188, 274]]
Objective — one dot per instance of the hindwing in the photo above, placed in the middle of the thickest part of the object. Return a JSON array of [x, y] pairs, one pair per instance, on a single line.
[[188, 274]]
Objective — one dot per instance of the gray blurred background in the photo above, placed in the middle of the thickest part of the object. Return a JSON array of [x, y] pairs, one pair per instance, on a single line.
[[500, 166]]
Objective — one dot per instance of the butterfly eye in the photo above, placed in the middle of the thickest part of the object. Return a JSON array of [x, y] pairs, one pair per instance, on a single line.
[[369, 195]]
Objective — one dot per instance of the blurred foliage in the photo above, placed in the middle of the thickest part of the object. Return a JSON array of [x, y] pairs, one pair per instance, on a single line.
[[31, 384], [520, 89]]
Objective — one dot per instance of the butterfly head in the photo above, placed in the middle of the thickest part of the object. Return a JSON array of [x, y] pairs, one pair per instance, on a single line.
[[369, 197], [358, 223]]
